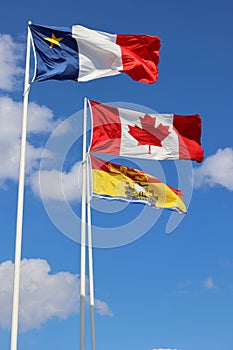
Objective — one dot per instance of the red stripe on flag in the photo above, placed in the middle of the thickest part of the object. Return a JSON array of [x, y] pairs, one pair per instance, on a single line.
[[106, 129], [189, 129], [140, 56]]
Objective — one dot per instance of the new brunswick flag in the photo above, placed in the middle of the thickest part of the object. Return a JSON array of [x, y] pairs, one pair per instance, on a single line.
[[114, 181]]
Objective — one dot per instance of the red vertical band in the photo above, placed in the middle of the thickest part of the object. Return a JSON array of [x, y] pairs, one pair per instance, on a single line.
[[140, 56], [106, 137], [189, 129]]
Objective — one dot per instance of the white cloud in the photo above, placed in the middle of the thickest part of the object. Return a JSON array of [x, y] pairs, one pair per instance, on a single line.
[[57, 185], [40, 119], [216, 170], [43, 295], [11, 54], [208, 283], [103, 308]]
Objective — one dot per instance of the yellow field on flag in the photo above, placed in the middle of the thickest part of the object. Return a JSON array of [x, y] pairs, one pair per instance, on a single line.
[[114, 181]]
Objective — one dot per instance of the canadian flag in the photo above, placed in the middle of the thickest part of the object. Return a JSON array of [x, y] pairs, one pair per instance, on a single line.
[[130, 133]]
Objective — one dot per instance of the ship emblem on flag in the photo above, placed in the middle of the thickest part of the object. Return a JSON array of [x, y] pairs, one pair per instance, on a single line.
[[117, 182]]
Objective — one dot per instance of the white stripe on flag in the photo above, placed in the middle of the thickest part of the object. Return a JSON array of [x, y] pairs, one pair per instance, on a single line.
[[99, 55], [129, 145]]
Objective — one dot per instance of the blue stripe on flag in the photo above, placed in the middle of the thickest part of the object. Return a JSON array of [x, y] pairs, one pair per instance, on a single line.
[[56, 52], [137, 201]]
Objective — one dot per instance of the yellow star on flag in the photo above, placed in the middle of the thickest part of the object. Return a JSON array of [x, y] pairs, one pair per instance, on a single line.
[[53, 41]]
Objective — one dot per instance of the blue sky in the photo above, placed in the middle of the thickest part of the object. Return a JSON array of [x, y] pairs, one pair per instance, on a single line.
[[162, 290]]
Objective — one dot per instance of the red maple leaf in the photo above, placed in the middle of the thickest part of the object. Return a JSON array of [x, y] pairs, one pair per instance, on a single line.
[[149, 134]]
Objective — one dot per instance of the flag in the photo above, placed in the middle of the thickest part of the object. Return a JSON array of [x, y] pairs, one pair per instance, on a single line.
[[114, 181], [81, 54], [129, 133]]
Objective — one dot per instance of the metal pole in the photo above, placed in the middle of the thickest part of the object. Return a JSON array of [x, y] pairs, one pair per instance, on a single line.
[[19, 223], [83, 234], [90, 262]]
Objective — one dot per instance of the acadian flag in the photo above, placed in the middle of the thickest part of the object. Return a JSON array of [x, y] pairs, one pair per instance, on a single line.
[[113, 181], [82, 54], [129, 133]]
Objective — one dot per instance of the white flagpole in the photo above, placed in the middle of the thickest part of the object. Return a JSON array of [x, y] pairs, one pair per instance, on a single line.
[[83, 233], [90, 262], [19, 223]]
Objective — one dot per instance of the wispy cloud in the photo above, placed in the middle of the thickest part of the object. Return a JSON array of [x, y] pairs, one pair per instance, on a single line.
[[103, 308], [11, 55], [216, 170], [208, 283], [57, 185], [42, 295], [40, 120]]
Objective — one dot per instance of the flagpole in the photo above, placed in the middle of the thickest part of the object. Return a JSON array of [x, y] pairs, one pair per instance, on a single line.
[[19, 222], [83, 233], [90, 262]]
